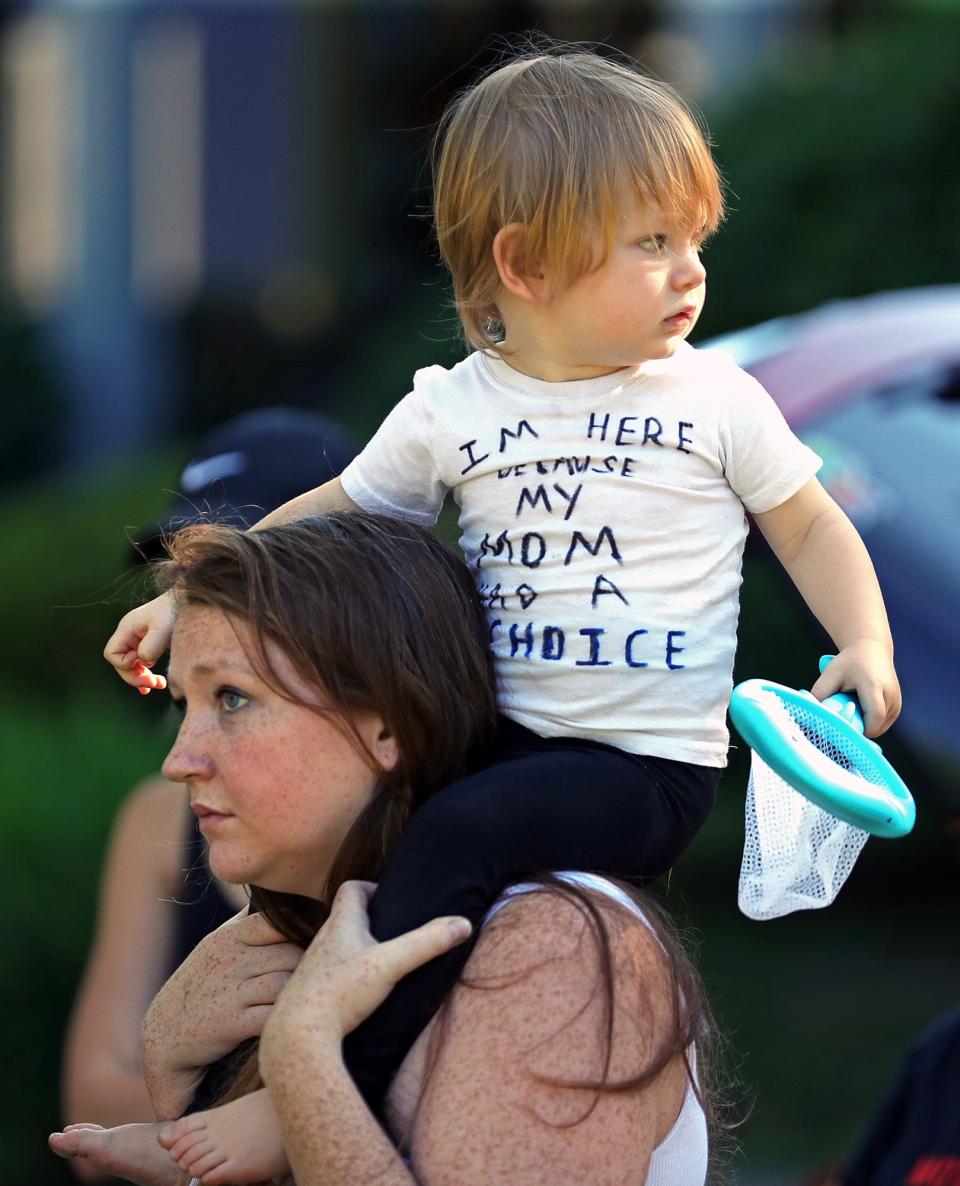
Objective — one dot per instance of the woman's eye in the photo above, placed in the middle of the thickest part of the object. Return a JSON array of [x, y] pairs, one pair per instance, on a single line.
[[231, 699]]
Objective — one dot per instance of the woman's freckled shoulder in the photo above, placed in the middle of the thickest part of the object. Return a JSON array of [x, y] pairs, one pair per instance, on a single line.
[[529, 959], [538, 969], [540, 923], [531, 1013], [554, 925]]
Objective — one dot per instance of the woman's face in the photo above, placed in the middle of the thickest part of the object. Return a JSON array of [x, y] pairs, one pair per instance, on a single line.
[[276, 786]]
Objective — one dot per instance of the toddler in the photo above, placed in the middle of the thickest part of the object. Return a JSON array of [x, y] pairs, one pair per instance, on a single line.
[[602, 467]]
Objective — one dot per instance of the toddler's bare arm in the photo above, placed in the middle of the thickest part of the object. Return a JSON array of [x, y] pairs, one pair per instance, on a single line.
[[143, 634], [827, 561]]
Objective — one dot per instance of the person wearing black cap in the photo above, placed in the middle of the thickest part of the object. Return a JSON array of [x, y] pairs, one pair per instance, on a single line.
[[248, 466], [158, 898]]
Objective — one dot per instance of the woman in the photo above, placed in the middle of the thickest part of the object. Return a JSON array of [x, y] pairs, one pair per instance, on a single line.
[[157, 897], [334, 673]]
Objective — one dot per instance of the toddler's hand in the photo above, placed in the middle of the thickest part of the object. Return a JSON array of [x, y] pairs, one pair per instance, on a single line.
[[138, 642], [866, 668]]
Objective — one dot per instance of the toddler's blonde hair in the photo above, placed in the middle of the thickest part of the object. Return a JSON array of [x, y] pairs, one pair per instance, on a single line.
[[560, 142]]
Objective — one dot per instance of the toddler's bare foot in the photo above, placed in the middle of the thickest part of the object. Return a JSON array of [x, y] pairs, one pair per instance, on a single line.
[[237, 1142], [129, 1151]]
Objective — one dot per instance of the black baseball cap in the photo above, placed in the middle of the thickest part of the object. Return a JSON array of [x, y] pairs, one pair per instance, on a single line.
[[247, 467]]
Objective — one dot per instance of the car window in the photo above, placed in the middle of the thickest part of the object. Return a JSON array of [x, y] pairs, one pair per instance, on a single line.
[[937, 379]]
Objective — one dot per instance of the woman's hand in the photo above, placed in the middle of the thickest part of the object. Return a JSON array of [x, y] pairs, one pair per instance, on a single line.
[[220, 995], [345, 973]]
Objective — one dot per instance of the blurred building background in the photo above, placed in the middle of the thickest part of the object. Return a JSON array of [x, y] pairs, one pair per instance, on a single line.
[[217, 205], [203, 198]]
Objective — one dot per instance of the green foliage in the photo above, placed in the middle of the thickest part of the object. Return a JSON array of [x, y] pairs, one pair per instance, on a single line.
[[63, 771], [424, 332], [66, 577], [844, 175], [33, 404], [69, 750]]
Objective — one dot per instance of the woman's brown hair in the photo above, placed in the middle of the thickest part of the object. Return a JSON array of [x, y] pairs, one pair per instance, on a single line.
[[380, 616]]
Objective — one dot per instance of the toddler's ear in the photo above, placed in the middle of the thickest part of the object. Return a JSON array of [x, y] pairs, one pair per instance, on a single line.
[[521, 276]]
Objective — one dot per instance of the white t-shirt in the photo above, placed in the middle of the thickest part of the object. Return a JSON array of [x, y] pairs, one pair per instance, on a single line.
[[603, 520]]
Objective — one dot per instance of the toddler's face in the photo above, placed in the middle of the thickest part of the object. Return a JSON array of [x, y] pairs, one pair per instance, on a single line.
[[639, 303]]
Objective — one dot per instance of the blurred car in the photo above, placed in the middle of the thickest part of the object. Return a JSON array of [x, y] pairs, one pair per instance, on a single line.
[[873, 385]]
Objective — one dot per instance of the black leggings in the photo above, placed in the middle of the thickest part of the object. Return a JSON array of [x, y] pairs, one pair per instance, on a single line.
[[541, 804]]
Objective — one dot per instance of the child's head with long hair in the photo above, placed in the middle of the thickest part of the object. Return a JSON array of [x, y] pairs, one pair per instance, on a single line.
[[559, 143]]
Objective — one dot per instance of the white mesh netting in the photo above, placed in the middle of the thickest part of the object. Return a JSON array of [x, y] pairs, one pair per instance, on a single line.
[[831, 742], [796, 856]]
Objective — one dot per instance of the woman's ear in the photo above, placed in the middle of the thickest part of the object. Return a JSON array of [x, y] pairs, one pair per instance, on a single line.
[[519, 275], [385, 748]]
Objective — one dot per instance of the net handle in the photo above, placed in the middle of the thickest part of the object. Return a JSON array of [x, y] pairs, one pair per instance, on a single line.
[[842, 703]]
